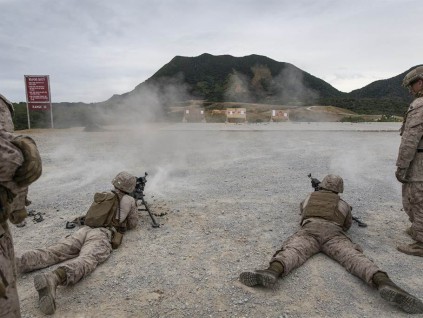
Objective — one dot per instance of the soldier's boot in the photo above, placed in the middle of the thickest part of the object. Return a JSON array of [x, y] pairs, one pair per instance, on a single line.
[[390, 292], [415, 249], [46, 285], [410, 232], [266, 278]]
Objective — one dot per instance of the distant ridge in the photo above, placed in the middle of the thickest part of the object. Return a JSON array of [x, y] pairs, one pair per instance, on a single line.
[[217, 80], [259, 79], [212, 77], [386, 88]]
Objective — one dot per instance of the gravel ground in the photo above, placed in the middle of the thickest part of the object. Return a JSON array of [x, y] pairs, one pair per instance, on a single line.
[[228, 195]]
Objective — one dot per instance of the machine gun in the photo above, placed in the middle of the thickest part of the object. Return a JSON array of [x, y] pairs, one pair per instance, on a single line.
[[315, 183], [138, 195]]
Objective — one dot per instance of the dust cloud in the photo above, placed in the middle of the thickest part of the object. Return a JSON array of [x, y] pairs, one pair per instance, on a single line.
[[148, 102], [289, 86], [135, 139], [238, 89]]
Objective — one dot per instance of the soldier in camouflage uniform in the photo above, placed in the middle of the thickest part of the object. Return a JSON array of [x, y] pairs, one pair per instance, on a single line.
[[410, 162], [82, 251], [325, 217], [20, 165]]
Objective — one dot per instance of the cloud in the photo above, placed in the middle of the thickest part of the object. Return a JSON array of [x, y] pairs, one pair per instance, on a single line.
[[93, 49]]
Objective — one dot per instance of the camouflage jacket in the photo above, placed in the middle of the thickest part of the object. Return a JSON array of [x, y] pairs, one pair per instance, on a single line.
[[10, 156], [410, 154]]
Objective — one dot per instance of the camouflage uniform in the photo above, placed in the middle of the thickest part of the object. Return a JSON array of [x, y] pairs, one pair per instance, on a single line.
[[410, 162], [325, 217], [320, 235], [410, 157], [83, 250], [13, 199]]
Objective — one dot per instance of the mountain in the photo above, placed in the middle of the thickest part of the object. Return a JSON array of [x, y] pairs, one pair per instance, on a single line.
[[257, 79], [252, 78], [387, 88], [385, 96]]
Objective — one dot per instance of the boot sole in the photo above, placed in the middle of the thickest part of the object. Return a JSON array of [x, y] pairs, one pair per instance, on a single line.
[[46, 301], [405, 301], [257, 279]]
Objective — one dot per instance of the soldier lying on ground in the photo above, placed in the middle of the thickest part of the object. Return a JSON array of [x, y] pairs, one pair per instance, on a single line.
[[325, 217], [83, 250]]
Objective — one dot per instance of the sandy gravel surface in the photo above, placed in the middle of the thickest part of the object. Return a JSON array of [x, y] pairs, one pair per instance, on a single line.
[[230, 197]]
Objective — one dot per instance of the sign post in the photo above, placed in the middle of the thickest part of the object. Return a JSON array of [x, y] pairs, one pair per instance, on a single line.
[[38, 95]]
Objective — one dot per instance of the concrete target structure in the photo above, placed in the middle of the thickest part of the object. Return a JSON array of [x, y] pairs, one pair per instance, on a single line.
[[236, 115], [279, 115], [194, 115]]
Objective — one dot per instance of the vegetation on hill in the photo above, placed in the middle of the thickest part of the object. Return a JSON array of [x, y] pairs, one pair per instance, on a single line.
[[259, 79], [252, 78], [219, 79]]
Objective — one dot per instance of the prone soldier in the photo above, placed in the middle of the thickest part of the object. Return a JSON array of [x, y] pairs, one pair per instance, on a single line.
[[325, 218], [86, 248]]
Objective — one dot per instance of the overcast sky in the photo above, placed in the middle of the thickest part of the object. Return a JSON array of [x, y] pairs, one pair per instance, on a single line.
[[92, 49]]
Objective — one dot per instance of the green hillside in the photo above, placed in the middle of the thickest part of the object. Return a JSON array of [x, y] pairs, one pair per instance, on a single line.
[[224, 78], [260, 79], [385, 96], [209, 77]]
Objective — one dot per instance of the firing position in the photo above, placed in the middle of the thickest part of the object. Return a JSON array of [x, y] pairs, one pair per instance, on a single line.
[[110, 215], [325, 217]]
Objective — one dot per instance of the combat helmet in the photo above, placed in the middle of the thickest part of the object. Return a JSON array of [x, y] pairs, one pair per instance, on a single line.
[[333, 183], [125, 182], [412, 76]]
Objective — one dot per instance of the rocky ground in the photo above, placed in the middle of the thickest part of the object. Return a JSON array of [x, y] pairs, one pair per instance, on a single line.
[[228, 196]]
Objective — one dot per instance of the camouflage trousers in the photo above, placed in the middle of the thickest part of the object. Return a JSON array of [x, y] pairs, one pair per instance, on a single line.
[[320, 236], [412, 201], [82, 251], [9, 307]]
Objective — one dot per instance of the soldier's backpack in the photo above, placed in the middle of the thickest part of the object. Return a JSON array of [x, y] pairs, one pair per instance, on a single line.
[[102, 210]]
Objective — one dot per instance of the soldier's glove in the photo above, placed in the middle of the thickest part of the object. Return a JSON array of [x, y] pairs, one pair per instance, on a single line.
[[18, 216], [400, 174], [3, 285], [6, 197], [2, 290], [31, 168]]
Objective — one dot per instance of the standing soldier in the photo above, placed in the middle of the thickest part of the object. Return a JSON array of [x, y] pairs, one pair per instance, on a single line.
[[410, 162], [325, 217], [20, 165]]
